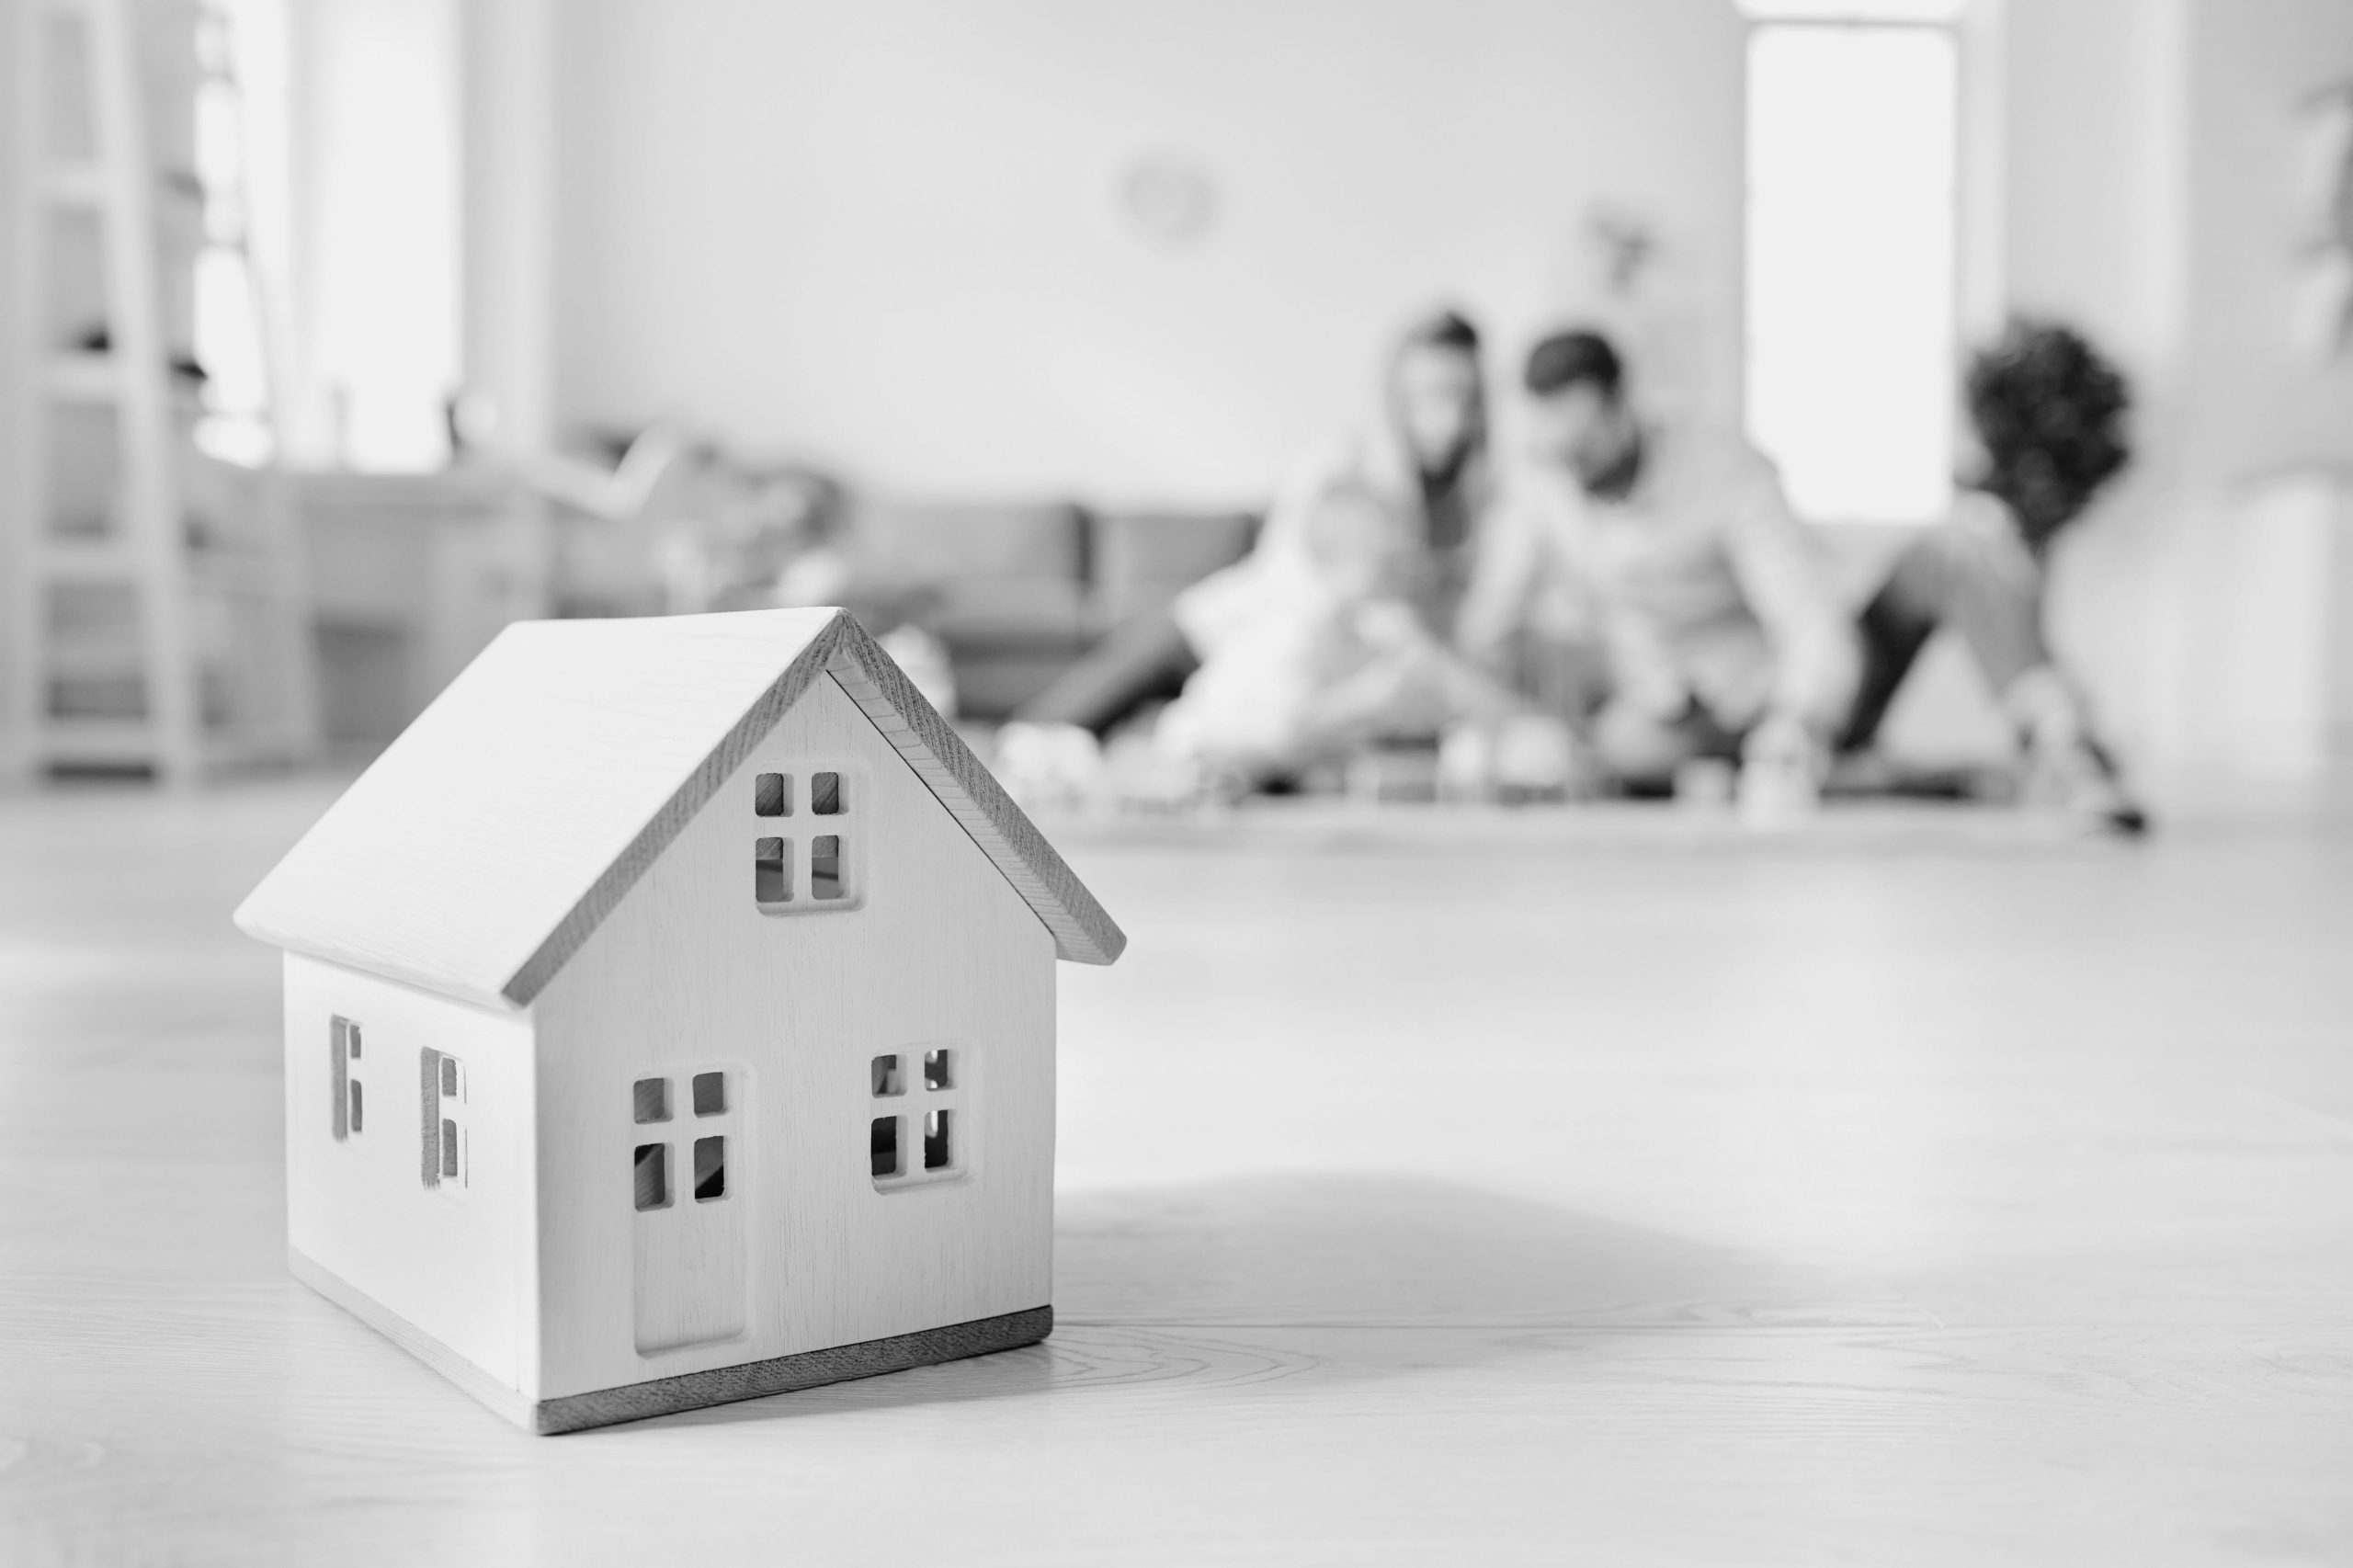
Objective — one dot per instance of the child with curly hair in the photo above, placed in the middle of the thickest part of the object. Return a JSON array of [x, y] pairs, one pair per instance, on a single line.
[[2049, 415]]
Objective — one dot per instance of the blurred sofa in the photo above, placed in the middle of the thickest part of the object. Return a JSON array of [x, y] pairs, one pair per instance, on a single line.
[[1018, 592]]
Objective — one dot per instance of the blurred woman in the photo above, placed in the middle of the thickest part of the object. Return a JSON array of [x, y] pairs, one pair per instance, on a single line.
[[1423, 459]]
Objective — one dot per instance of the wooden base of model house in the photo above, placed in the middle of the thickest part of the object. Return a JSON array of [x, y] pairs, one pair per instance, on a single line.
[[693, 1391]]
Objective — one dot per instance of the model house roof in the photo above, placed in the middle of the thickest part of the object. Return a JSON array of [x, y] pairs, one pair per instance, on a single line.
[[487, 843]]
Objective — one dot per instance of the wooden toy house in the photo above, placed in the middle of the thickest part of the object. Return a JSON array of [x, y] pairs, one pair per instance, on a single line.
[[670, 1020]]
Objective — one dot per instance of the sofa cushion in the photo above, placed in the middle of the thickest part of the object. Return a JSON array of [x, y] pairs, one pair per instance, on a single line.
[[1143, 560], [946, 544]]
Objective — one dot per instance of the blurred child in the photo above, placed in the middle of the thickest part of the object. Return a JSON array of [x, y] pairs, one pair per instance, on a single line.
[[1346, 659], [2049, 415]]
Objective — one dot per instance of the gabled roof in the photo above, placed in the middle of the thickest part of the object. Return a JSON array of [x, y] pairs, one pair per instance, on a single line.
[[487, 843]]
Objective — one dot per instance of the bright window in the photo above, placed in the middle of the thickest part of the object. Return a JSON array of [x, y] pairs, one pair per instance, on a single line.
[[1852, 202]]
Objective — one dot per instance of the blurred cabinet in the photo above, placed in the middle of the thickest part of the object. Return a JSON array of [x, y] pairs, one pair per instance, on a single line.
[[410, 576]]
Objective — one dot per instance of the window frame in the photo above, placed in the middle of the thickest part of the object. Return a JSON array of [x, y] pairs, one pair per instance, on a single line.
[[1950, 20], [347, 1078], [682, 1125], [446, 1122], [912, 1106], [802, 827]]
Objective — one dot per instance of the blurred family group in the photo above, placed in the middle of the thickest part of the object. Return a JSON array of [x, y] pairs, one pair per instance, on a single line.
[[1626, 604]]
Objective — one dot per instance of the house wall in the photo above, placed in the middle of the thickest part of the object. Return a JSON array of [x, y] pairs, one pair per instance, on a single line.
[[688, 973], [457, 1266], [890, 235]]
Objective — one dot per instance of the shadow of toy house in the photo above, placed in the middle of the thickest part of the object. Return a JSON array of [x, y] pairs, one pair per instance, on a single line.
[[1304, 1278]]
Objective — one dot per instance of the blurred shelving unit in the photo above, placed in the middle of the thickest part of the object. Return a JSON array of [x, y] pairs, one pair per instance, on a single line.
[[159, 624]]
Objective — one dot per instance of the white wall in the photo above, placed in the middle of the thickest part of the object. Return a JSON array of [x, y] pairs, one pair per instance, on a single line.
[[885, 233], [508, 140], [376, 192], [2256, 406], [2151, 148], [2093, 137], [2151, 151]]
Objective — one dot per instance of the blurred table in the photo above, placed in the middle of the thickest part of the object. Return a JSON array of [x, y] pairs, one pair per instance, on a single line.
[[1606, 1187]]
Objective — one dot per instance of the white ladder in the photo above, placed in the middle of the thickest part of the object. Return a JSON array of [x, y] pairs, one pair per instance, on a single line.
[[162, 628]]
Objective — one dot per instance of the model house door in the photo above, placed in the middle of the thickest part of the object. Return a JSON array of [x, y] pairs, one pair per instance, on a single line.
[[687, 1170]]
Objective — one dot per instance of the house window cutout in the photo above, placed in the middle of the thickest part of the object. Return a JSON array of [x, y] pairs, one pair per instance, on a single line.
[[772, 795], [651, 1165], [772, 871], [650, 1100], [711, 1169], [816, 872], [444, 1155], [922, 1142], [714, 1096], [826, 867], [346, 1109]]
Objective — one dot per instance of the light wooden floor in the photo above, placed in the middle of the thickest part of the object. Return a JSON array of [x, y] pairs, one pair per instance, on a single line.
[[1435, 1190]]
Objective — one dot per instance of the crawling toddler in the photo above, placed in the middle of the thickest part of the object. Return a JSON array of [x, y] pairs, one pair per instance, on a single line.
[[1338, 658]]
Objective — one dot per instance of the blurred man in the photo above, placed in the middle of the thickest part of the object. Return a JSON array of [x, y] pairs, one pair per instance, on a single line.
[[1721, 636], [1678, 552]]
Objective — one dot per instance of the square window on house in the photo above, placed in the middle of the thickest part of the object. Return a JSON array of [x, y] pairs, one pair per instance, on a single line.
[[772, 795], [650, 1100], [882, 1146], [936, 1073], [711, 1094], [826, 867], [711, 1169], [653, 1176], [825, 795], [772, 870], [886, 1077], [937, 1155]]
